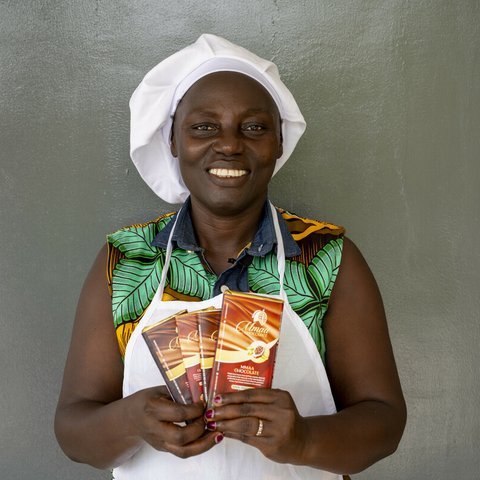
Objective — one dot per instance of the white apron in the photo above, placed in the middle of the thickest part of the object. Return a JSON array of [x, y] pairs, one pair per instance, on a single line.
[[298, 369]]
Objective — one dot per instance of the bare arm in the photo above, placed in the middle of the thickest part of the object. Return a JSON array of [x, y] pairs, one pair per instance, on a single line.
[[93, 424], [362, 373], [364, 380]]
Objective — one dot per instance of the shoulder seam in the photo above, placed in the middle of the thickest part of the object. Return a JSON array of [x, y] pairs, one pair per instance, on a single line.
[[144, 224], [309, 226]]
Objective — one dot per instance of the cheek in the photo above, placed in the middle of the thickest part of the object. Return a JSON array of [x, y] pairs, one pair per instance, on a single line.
[[268, 153], [186, 168], [191, 164], [191, 152]]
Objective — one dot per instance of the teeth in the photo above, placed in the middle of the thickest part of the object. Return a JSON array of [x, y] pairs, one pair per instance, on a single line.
[[226, 172]]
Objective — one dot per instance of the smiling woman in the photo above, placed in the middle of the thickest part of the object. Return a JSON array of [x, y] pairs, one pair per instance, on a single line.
[[227, 151], [210, 126]]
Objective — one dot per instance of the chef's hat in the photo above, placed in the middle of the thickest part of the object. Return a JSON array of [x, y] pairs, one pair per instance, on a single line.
[[155, 100]]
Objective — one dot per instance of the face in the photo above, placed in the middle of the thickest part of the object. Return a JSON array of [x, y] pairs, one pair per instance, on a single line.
[[227, 137]]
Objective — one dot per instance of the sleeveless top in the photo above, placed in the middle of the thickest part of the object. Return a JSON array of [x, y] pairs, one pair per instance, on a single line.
[[134, 269]]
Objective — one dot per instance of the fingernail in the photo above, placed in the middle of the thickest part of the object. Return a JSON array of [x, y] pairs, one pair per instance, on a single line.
[[217, 400], [212, 426], [218, 438], [209, 414]]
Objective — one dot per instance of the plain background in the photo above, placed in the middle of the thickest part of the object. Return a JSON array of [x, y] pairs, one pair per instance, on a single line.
[[391, 93]]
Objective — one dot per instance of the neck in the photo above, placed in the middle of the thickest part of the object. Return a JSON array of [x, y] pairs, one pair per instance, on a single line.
[[223, 237]]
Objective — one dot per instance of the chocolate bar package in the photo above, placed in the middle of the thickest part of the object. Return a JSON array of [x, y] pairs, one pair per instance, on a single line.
[[162, 340], [208, 324], [187, 328], [247, 343]]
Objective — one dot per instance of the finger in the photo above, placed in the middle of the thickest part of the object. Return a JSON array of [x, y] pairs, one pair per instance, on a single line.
[[163, 433], [242, 411], [262, 443], [163, 409], [258, 395], [248, 426], [196, 447], [161, 391]]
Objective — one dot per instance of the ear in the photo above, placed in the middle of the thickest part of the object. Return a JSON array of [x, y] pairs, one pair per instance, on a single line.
[[280, 150], [280, 146], [173, 145]]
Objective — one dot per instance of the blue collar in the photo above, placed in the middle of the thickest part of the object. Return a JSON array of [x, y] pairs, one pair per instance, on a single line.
[[263, 242]]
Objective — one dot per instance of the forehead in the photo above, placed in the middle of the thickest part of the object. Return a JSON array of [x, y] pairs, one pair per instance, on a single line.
[[228, 87]]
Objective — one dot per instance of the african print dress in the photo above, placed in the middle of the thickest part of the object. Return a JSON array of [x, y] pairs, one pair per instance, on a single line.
[[134, 269]]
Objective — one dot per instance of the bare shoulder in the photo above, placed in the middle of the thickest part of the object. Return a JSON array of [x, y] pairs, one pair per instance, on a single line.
[[355, 283]]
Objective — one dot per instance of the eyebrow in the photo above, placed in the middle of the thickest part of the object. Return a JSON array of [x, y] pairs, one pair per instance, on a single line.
[[247, 112]]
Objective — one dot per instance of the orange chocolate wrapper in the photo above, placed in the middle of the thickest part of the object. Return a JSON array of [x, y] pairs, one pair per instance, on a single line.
[[163, 343], [247, 343], [208, 325], [187, 328]]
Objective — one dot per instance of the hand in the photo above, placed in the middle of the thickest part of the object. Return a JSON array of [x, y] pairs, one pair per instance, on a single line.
[[155, 418], [280, 435]]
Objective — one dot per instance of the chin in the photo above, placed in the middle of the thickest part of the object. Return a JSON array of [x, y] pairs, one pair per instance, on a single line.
[[224, 206]]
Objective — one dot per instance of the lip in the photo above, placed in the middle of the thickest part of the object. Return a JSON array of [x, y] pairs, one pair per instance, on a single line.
[[236, 181]]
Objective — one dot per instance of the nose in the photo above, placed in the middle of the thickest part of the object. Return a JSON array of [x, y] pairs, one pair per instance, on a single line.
[[228, 142]]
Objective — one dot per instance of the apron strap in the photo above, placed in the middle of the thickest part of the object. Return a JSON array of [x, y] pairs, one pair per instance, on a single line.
[[280, 254], [166, 264], [280, 250]]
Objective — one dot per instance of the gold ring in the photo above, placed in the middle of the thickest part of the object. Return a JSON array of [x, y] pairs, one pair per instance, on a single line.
[[260, 427]]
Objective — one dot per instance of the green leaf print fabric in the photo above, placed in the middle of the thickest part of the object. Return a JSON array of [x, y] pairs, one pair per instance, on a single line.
[[134, 286], [135, 242], [308, 288], [188, 276], [136, 277]]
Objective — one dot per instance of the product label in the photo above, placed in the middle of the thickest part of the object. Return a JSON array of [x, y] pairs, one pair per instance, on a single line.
[[208, 325], [247, 343], [187, 328], [163, 343]]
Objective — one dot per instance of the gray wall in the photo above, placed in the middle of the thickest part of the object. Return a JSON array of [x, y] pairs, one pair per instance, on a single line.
[[391, 93]]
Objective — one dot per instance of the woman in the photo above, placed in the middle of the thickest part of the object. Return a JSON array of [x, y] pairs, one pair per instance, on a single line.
[[210, 126]]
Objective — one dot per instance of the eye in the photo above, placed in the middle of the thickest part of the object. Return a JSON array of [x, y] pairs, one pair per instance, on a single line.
[[201, 130], [203, 127], [253, 127]]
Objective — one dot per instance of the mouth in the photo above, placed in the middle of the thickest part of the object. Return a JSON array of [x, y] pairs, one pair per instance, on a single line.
[[227, 172]]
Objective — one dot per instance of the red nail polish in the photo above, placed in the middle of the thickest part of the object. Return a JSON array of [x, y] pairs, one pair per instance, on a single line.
[[218, 438], [209, 414], [217, 399], [212, 426]]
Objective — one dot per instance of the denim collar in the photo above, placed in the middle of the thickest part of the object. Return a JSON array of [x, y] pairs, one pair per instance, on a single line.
[[263, 242]]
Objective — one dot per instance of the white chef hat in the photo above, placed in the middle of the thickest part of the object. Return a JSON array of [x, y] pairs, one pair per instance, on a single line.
[[155, 100]]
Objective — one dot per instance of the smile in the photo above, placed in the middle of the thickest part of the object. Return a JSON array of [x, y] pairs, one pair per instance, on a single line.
[[227, 172]]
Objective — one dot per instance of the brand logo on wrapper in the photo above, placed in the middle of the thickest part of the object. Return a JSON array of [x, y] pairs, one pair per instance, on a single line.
[[260, 316], [256, 326], [193, 336], [258, 351], [252, 328], [174, 344]]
